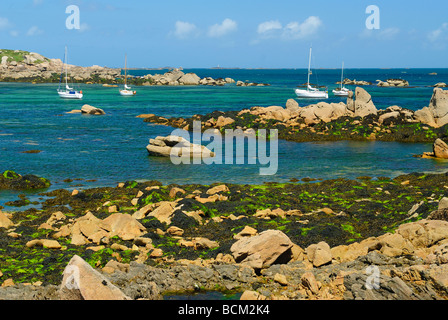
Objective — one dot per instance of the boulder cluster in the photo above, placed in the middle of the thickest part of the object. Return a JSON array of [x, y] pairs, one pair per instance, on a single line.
[[21, 65], [393, 83], [355, 82], [178, 78], [17, 65], [359, 104]]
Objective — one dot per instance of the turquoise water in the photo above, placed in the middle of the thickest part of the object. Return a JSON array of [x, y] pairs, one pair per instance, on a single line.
[[110, 149]]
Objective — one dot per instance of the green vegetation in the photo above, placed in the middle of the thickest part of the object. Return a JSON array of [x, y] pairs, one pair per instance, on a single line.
[[338, 211]]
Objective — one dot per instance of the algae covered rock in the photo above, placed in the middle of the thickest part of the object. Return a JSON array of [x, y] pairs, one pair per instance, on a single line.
[[14, 181]]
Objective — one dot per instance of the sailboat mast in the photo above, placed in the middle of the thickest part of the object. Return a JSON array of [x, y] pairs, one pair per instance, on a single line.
[[342, 74], [66, 72], [125, 70], [309, 70]]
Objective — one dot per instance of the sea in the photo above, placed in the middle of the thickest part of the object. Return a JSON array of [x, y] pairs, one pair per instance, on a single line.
[[79, 151]]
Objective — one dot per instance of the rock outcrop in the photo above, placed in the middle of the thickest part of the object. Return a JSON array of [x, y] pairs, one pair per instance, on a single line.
[[323, 111], [175, 146], [355, 82], [358, 105], [24, 66], [438, 106], [14, 181], [262, 250], [250, 84], [17, 65], [361, 103], [436, 114], [82, 282], [393, 83], [5, 222], [439, 150], [176, 77], [88, 109]]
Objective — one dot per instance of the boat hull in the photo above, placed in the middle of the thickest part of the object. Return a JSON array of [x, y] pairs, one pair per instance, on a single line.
[[70, 95], [341, 93], [128, 93], [311, 94]]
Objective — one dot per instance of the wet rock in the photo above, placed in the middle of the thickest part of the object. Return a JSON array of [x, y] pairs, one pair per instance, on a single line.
[[272, 112], [223, 121], [246, 232], [359, 287], [14, 181], [323, 111], [82, 282], [363, 103], [263, 250], [88, 109], [319, 254], [178, 147], [424, 233], [164, 211], [393, 83], [50, 244], [252, 296], [439, 106], [175, 231], [355, 82], [84, 228], [189, 79], [309, 282], [5, 222], [440, 149], [123, 226], [217, 189]]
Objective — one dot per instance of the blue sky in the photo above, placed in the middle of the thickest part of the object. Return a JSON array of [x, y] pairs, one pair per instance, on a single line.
[[232, 33]]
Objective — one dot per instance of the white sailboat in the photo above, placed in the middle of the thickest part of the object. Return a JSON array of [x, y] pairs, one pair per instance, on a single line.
[[127, 90], [311, 92], [342, 91], [68, 92]]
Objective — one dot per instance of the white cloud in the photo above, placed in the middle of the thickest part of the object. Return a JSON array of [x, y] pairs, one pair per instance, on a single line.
[[34, 31], [293, 30], [4, 23], [296, 30], [37, 2], [14, 33], [268, 27], [381, 34], [438, 33], [389, 33], [219, 30], [184, 30], [84, 27]]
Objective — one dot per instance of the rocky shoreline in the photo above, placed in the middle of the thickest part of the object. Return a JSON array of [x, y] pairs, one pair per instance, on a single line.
[[299, 240], [357, 119], [24, 66]]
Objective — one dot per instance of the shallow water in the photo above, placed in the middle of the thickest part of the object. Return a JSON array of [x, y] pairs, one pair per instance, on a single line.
[[110, 149]]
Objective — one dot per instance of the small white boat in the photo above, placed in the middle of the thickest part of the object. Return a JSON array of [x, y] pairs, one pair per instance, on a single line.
[[342, 91], [127, 90], [311, 92], [68, 93]]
